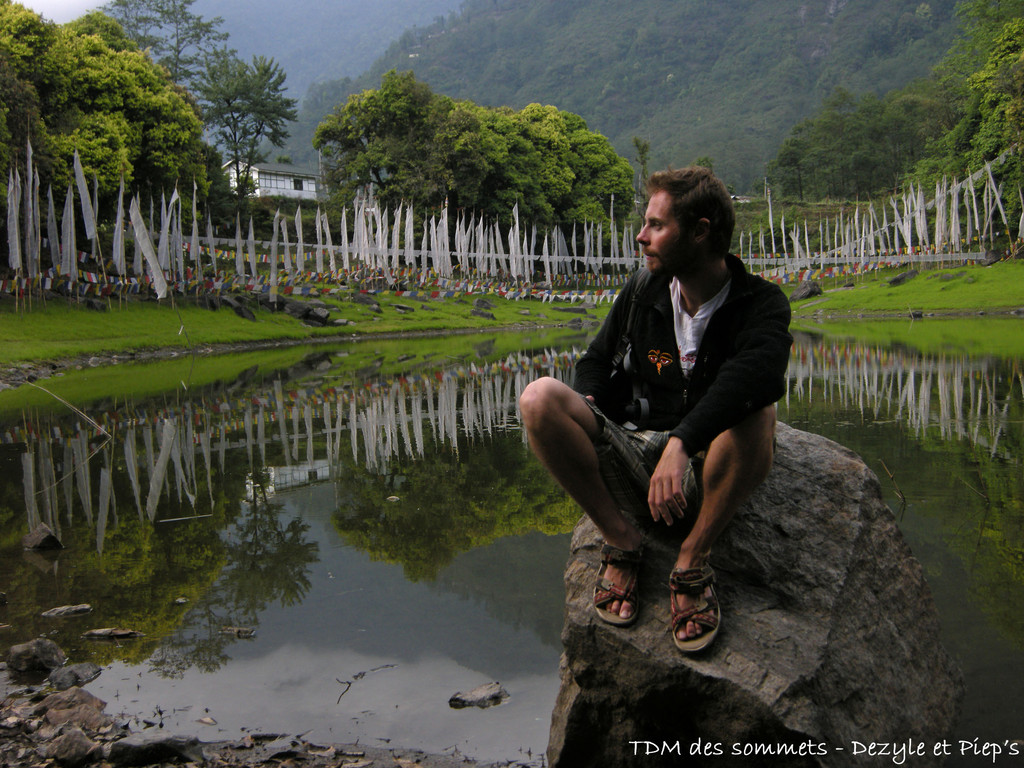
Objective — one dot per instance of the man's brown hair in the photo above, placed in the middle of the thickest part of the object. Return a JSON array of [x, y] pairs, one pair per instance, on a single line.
[[698, 194]]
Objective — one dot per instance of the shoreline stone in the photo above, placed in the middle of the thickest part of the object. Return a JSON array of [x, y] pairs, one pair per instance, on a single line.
[[71, 729]]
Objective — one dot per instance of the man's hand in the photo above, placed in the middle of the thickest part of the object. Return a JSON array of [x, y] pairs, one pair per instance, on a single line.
[[665, 496]]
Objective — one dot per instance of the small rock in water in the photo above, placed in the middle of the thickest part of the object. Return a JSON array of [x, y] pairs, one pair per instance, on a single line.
[[111, 633], [239, 631], [154, 747], [77, 674], [393, 498], [487, 695], [39, 655], [41, 537], [67, 610]]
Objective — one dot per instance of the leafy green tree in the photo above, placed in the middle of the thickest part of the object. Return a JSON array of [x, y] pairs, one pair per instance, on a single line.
[[643, 154], [985, 106], [381, 137], [179, 39], [416, 146], [25, 39], [84, 86], [599, 174], [858, 147], [792, 169], [104, 27], [244, 105]]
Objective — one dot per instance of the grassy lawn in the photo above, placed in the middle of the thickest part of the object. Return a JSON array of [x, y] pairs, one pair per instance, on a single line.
[[60, 329], [967, 289]]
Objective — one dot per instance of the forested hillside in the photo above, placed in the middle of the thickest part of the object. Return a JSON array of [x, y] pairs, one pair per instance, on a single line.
[[968, 114], [314, 42], [694, 78]]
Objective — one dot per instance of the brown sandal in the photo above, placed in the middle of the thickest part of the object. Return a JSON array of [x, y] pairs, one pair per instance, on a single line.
[[706, 613], [605, 592]]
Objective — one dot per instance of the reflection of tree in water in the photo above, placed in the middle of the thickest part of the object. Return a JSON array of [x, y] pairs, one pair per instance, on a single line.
[[448, 502], [267, 560]]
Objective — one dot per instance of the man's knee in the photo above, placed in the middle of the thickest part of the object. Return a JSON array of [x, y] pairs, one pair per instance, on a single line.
[[548, 405], [539, 399]]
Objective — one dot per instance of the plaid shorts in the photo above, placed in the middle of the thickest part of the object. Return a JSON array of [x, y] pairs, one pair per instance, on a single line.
[[627, 458]]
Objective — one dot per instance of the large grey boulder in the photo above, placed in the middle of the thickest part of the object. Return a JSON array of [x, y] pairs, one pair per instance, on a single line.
[[829, 637]]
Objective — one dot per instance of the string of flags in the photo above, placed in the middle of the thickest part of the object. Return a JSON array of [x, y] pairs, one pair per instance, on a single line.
[[454, 254]]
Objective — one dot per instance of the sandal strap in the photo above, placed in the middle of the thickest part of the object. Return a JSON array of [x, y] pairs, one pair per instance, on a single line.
[[692, 581], [607, 592], [698, 614], [614, 556]]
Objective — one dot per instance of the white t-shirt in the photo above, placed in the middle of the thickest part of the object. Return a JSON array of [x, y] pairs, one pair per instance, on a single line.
[[690, 330]]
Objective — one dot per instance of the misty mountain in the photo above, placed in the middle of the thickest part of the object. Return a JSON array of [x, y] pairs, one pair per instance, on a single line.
[[314, 42], [719, 79]]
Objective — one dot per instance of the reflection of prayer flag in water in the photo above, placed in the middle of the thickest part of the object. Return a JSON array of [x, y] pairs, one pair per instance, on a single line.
[[48, 480], [131, 464], [80, 453], [29, 481], [156, 479], [104, 508]]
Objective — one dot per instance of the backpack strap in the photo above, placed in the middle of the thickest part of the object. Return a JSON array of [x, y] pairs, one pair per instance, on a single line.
[[623, 349], [621, 356]]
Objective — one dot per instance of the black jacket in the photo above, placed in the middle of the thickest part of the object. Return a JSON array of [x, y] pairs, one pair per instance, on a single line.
[[740, 367]]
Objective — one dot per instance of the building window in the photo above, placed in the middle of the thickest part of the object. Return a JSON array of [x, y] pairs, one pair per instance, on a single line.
[[298, 185]]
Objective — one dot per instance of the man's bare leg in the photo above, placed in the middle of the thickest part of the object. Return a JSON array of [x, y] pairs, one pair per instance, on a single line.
[[738, 460], [562, 430]]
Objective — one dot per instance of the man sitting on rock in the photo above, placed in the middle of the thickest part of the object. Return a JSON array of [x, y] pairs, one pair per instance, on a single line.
[[672, 410]]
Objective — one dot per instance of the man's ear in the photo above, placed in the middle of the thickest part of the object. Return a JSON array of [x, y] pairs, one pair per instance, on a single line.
[[701, 230]]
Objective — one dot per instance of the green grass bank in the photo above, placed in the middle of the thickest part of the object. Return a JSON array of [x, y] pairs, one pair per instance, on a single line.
[[967, 289], [57, 329]]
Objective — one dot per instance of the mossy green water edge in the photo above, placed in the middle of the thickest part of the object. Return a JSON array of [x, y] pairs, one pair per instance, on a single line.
[[968, 308], [59, 329], [344, 362]]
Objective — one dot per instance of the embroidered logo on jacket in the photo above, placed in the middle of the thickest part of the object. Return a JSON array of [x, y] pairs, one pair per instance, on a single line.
[[659, 358]]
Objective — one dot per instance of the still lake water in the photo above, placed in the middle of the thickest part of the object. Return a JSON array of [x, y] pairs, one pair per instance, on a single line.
[[333, 541]]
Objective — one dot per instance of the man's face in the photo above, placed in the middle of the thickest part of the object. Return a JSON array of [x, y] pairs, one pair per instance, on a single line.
[[663, 241]]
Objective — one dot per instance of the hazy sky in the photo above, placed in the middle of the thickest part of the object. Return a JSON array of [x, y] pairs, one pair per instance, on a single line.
[[61, 11]]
